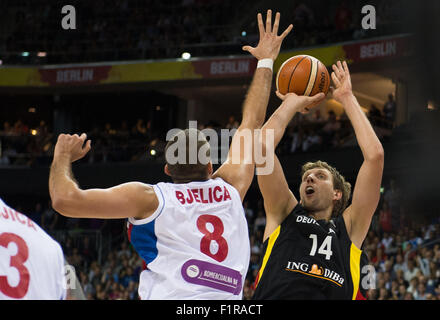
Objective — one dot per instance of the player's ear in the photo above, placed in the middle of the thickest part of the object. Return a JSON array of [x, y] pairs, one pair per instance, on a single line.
[[166, 170], [209, 169], [337, 194]]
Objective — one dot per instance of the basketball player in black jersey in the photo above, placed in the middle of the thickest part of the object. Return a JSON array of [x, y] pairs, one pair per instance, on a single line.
[[312, 247]]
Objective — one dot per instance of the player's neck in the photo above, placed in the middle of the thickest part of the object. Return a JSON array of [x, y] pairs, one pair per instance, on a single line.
[[322, 214]]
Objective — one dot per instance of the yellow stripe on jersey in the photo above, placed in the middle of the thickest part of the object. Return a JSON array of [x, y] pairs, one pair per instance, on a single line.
[[355, 268], [273, 237]]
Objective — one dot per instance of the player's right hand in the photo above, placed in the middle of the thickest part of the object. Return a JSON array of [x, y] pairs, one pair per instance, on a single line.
[[270, 43], [71, 147], [301, 104]]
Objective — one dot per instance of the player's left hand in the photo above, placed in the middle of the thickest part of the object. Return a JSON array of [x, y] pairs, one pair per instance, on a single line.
[[270, 43], [71, 146], [301, 104], [342, 81]]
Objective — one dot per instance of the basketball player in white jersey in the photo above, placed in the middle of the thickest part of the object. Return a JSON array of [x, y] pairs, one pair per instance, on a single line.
[[31, 262], [192, 234]]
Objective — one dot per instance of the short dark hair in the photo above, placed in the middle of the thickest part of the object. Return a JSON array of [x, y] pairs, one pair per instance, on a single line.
[[186, 172], [339, 183]]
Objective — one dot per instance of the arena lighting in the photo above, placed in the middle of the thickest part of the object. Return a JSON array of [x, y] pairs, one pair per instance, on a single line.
[[42, 54], [186, 55], [25, 54], [153, 152]]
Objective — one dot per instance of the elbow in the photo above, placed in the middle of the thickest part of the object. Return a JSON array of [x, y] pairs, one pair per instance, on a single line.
[[59, 204], [377, 154], [62, 202]]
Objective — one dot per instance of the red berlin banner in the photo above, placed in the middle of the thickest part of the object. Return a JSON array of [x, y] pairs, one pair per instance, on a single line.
[[225, 68], [74, 75], [379, 49]]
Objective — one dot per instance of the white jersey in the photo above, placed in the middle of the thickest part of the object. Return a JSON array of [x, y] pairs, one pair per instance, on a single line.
[[31, 262], [195, 245]]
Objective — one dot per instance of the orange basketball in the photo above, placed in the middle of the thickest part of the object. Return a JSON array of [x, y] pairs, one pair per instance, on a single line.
[[304, 75]]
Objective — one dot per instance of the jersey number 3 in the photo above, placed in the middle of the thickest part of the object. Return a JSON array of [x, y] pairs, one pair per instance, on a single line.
[[215, 235], [17, 262], [325, 248]]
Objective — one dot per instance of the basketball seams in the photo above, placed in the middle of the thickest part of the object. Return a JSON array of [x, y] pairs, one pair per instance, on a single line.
[[279, 72], [294, 69], [310, 73], [312, 76]]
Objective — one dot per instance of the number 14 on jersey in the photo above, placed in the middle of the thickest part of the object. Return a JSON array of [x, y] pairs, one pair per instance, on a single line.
[[325, 248]]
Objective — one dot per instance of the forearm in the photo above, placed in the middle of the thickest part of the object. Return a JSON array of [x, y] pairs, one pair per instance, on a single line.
[[367, 139], [62, 185], [278, 122], [257, 99]]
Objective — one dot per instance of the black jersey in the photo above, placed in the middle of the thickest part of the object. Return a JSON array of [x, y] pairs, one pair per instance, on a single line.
[[306, 258]]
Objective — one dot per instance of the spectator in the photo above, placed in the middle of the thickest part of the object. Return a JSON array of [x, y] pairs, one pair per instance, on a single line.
[[311, 142], [399, 265], [389, 110], [411, 271], [420, 293], [49, 218], [375, 116], [232, 123], [249, 213], [385, 217], [37, 213], [260, 221]]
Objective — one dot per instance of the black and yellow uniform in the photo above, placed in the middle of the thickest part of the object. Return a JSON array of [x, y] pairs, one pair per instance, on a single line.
[[306, 258]]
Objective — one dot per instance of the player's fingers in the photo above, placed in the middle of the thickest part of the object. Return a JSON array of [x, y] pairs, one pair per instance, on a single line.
[[260, 24], [83, 137], [340, 68], [317, 97], [286, 32], [336, 71], [345, 66], [87, 147], [247, 48], [269, 21], [279, 95], [305, 110], [335, 80], [276, 23]]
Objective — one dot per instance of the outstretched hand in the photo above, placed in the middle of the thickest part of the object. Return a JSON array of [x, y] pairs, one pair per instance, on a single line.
[[301, 104], [71, 146], [270, 43], [342, 81]]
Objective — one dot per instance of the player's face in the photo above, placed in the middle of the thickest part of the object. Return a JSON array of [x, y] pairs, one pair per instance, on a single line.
[[316, 189]]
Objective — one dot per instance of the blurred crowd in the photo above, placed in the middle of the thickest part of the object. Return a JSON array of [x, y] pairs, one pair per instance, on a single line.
[[135, 140], [131, 30]]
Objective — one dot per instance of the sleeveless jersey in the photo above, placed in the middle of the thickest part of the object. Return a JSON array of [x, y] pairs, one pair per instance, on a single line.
[[31, 262], [195, 245], [309, 259]]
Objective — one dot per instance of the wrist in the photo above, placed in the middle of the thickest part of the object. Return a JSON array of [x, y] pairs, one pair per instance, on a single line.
[[62, 158], [265, 63], [346, 97]]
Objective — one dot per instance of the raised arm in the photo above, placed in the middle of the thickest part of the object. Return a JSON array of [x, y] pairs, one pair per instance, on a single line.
[[131, 199], [238, 169], [278, 198], [366, 191]]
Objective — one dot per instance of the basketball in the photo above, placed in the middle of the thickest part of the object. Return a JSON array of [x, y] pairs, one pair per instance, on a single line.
[[304, 75]]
